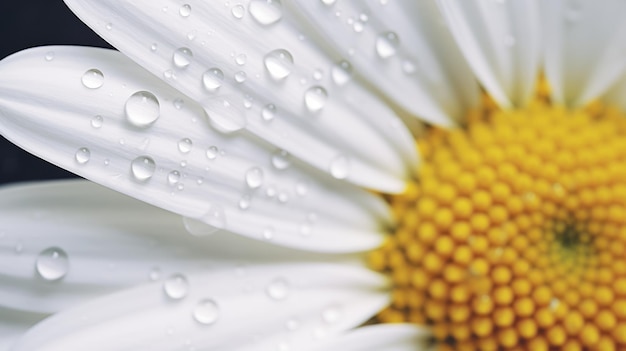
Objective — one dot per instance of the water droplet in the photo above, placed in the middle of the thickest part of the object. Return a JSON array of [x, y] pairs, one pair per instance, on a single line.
[[302, 188], [331, 315], [238, 11], [173, 177], [241, 59], [315, 99], [49, 56], [408, 67], [216, 217], [386, 44], [278, 289], [97, 121], [93, 79], [178, 103], [241, 76], [227, 118], [280, 159], [154, 47], [341, 73], [184, 145], [266, 12], [212, 152], [142, 168], [198, 228], [52, 263], [254, 177], [182, 57], [270, 191], [268, 112], [212, 79], [268, 233], [339, 167], [82, 155], [318, 74], [176, 286], [329, 2], [185, 10], [244, 202], [142, 109], [279, 64], [206, 312], [283, 197], [109, 26]]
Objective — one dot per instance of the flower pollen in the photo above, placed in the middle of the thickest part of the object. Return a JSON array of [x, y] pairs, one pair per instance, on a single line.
[[513, 237]]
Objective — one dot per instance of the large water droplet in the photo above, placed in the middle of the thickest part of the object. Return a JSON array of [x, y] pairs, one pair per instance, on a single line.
[[142, 168], [268, 112], [254, 177], [386, 44], [142, 109], [238, 11], [93, 79], [185, 10], [82, 155], [339, 167], [341, 72], [278, 289], [182, 57], [279, 64], [184, 145], [52, 263], [212, 79], [280, 159], [266, 12], [315, 98], [176, 286], [206, 312]]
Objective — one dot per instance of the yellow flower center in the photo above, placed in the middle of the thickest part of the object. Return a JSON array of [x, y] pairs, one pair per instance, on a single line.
[[513, 237]]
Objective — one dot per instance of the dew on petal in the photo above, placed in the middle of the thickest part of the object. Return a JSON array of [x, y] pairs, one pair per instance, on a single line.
[[328, 2], [339, 167], [341, 73], [212, 152], [238, 11], [82, 155], [185, 10], [241, 76], [49, 56], [142, 168], [173, 178], [182, 57], [244, 202], [97, 121], [268, 112], [142, 109], [93, 79], [278, 289], [279, 64], [241, 59], [227, 118], [216, 217], [387, 44], [178, 103], [315, 99], [212, 79], [52, 263], [206, 312], [198, 228], [268, 233], [331, 314], [184, 145], [176, 286], [254, 177], [280, 159], [266, 12]]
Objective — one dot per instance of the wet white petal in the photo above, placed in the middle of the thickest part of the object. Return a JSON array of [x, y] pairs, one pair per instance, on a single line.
[[388, 337], [501, 41], [585, 43], [268, 306], [261, 63], [177, 161]]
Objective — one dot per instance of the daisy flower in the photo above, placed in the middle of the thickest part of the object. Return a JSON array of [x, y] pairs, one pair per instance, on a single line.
[[401, 174]]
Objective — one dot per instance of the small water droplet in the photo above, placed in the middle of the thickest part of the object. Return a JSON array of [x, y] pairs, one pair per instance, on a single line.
[[268, 112], [52, 263], [331, 315], [339, 167], [178, 103], [341, 73], [386, 44], [212, 152], [93, 79], [227, 118], [318, 74], [212, 79], [97, 121], [182, 57], [142, 109], [279, 64], [142, 168], [244, 202], [270, 191], [266, 12], [155, 274], [206, 312], [185, 10], [49, 56], [278, 289], [268, 233], [408, 67], [173, 177], [109, 26], [254, 177], [328, 2], [315, 99], [176, 286], [154, 47], [280, 159], [283, 197], [238, 11], [82, 155], [198, 228], [184, 145], [216, 217], [302, 188], [241, 76], [241, 59]]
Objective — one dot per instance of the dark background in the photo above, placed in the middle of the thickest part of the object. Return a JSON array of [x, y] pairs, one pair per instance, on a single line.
[[25, 24]]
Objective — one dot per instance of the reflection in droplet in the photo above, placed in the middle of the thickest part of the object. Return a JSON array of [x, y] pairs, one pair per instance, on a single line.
[[82, 155], [97, 121], [52, 264], [206, 312], [212, 152], [254, 177], [238, 11], [279, 64], [387, 44], [173, 178], [184, 145], [176, 286], [341, 73], [142, 168], [268, 112], [93, 79], [142, 109], [182, 57], [212, 79], [315, 99], [185, 10]]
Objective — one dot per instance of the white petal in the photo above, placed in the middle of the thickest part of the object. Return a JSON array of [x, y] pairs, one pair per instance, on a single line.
[[270, 305], [110, 241], [336, 124], [13, 324], [501, 41], [179, 163], [585, 44], [388, 337], [423, 71]]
